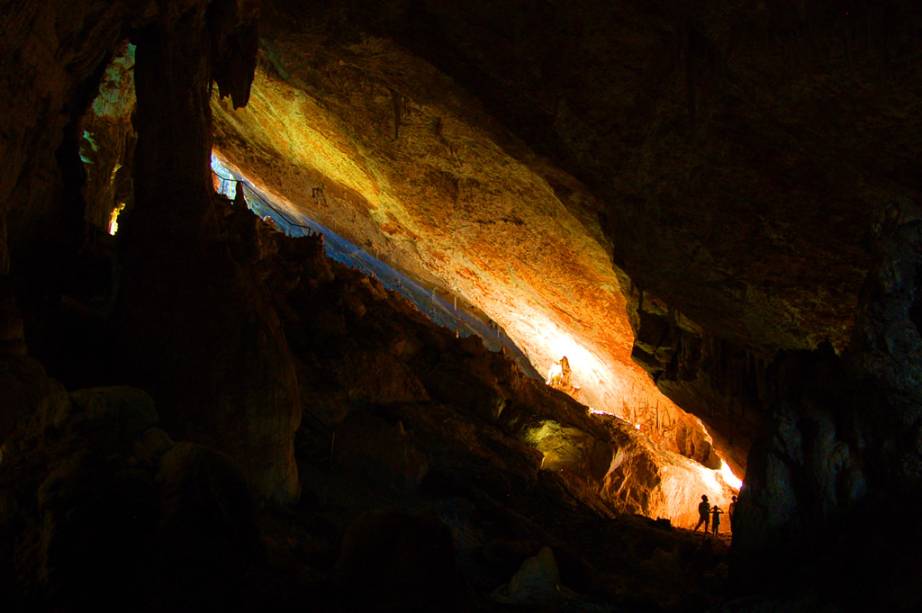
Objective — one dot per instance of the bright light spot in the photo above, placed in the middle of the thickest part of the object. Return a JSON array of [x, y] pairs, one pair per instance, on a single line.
[[729, 478], [637, 426], [709, 479], [113, 218], [555, 371], [546, 344], [223, 177], [596, 411]]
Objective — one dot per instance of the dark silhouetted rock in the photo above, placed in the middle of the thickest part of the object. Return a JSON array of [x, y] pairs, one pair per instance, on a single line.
[[207, 535], [394, 560]]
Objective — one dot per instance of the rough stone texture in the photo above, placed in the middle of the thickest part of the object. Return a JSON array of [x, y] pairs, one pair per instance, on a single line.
[[195, 324], [721, 382], [436, 384], [173, 516], [107, 141], [381, 147], [733, 160], [706, 132], [506, 463], [842, 444], [646, 479], [398, 560], [684, 154], [54, 59], [92, 517], [536, 582]]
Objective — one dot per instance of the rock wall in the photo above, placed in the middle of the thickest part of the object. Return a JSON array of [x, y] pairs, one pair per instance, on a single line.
[[723, 383], [381, 374], [746, 156], [742, 154], [840, 463], [108, 140], [379, 145], [175, 286], [91, 487], [195, 325]]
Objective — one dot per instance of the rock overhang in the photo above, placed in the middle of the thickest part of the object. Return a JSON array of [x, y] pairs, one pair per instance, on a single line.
[[379, 146]]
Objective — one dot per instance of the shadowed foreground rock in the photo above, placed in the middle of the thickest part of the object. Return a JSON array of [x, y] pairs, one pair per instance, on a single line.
[[398, 561], [95, 516]]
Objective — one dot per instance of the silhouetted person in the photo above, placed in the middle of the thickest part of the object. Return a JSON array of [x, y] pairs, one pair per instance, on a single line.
[[715, 520], [731, 512], [704, 514]]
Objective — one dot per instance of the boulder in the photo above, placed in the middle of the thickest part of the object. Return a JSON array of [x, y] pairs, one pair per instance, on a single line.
[[398, 559], [151, 446], [207, 534], [650, 481], [28, 398], [537, 580], [368, 445], [123, 413]]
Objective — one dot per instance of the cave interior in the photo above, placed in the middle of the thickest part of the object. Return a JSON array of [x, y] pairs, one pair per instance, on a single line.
[[417, 305]]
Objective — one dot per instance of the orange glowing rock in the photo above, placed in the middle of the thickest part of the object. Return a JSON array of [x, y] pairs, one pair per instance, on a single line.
[[113, 219], [459, 207]]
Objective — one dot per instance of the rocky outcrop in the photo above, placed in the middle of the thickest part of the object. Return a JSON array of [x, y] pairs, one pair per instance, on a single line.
[[384, 149], [741, 214], [653, 482], [732, 161], [719, 381], [706, 131], [831, 458], [195, 326], [107, 143], [394, 388], [90, 487], [400, 560], [56, 57]]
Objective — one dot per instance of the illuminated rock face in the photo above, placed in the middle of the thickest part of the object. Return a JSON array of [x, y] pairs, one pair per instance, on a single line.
[[403, 163], [107, 143], [648, 480], [631, 474]]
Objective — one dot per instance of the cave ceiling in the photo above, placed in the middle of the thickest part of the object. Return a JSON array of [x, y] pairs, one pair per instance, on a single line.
[[381, 147], [742, 155], [526, 167]]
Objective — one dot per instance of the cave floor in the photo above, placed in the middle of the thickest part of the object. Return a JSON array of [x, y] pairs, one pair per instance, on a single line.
[[497, 520]]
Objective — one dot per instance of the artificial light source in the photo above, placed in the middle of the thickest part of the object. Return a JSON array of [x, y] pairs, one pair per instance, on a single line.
[[113, 218], [554, 372], [726, 473]]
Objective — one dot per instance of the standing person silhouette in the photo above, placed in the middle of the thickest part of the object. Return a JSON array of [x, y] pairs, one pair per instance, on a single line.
[[715, 520], [731, 512], [704, 514]]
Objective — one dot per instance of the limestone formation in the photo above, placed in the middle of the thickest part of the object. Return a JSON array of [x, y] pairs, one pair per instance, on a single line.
[[706, 214]]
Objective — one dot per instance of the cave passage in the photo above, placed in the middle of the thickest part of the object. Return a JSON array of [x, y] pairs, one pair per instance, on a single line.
[[683, 479], [503, 290], [593, 378]]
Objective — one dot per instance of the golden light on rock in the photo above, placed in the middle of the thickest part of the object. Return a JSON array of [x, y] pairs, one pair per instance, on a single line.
[[555, 374], [437, 193], [113, 219], [727, 474]]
